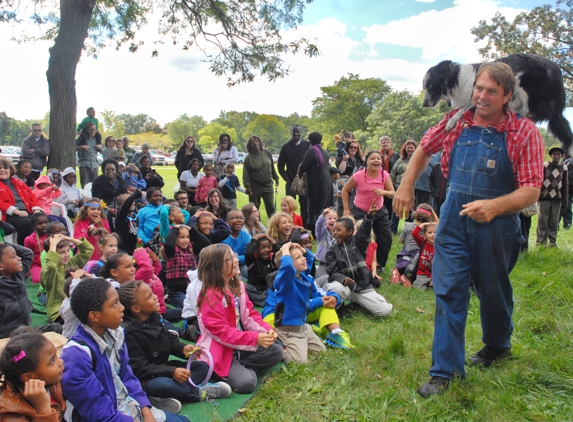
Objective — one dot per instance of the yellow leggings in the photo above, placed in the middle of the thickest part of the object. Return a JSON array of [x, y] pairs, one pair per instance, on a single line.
[[324, 316]]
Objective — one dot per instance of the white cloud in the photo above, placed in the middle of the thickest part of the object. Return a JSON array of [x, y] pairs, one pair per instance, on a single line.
[[425, 1]]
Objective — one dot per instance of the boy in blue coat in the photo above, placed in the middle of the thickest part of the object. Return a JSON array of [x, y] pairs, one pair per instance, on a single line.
[[297, 296], [98, 381]]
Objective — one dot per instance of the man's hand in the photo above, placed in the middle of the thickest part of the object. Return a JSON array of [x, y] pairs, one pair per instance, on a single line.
[[482, 211], [404, 201]]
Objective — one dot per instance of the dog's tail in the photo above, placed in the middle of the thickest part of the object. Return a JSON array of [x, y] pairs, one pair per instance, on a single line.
[[560, 128]]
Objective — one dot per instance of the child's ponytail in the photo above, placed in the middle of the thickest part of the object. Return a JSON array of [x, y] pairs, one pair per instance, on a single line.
[[21, 354]]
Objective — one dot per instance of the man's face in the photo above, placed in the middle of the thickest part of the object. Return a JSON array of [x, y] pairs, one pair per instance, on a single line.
[[489, 98], [296, 134], [183, 200], [385, 145], [37, 131]]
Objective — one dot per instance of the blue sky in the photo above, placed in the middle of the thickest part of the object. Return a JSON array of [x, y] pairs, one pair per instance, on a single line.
[[394, 40]]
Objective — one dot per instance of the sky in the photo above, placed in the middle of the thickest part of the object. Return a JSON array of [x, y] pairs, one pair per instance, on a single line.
[[395, 40]]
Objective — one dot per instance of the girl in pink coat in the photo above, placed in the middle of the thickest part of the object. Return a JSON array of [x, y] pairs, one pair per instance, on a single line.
[[231, 329]]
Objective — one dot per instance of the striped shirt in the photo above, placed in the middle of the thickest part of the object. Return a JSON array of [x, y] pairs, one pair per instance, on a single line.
[[524, 145]]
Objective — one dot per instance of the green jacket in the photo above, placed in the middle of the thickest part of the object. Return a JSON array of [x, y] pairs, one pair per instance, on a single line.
[[52, 276]]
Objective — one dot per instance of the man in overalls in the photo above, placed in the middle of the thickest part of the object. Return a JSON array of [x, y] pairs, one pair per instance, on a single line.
[[493, 160]]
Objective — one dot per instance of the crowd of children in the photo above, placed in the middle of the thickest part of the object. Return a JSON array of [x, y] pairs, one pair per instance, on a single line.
[[115, 295]]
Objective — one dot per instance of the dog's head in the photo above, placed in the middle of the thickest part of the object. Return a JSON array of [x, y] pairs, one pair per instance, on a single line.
[[438, 83]]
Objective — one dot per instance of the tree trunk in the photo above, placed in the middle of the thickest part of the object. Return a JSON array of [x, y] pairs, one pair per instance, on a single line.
[[64, 57]]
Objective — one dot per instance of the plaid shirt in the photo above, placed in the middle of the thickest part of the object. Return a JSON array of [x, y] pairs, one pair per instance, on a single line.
[[524, 145], [182, 261]]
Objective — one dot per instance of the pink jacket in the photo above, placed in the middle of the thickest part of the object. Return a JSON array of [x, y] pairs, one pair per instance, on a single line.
[[218, 326], [45, 196], [81, 230], [148, 272]]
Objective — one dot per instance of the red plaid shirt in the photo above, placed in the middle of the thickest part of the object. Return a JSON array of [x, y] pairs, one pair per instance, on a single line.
[[183, 261], [524, 145]]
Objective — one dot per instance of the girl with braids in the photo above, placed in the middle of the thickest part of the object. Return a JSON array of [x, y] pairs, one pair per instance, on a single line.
[[32, 372], [229, 323], [149, 345]]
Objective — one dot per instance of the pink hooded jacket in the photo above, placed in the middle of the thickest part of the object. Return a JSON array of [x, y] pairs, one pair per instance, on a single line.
[[45, 196], [218, 326]]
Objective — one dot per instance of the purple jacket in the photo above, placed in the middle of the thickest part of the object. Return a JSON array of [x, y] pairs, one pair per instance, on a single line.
[[88, 383]]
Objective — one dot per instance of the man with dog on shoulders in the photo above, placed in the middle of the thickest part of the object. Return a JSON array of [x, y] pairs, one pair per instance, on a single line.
[[493, 160]]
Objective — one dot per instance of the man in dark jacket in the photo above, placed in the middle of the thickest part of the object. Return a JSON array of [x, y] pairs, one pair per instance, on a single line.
[[348, 274], [36, 148], [290, 157]]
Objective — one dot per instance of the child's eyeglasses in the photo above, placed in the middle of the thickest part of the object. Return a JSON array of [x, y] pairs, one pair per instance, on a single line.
[[236, 218]]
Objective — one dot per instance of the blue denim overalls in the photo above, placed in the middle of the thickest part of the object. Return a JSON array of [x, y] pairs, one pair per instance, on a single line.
[[465, 250]]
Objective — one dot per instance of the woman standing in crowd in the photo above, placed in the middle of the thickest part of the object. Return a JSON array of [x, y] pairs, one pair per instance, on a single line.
[[315, 165], [397, 173], [186, 154], [189, 179], [372, 185], [17, 201], [353, 160], [258, 175]]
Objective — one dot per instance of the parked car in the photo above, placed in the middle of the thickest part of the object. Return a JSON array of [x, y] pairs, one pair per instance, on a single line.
[[242, 156], [207, 158], [170, 158], [10, 154], [159, 159]]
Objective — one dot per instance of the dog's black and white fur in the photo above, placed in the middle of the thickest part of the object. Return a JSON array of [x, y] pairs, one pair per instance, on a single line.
[[539, 93]]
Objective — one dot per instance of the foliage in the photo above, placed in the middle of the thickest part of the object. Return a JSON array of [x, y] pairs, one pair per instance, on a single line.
[[135, 123], [184, 126], [544, 31], [13, 131], [347, 103], [209, 136], [272, 131], [110, 124], [307, 124], [401, 116], [237, 120], [155, 140]]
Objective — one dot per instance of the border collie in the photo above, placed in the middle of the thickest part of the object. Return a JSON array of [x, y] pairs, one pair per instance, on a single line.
[[539, 93]]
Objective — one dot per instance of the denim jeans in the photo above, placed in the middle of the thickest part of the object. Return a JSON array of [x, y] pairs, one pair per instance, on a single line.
[[176, 298], [165, 387], [466, 250], [172, 417]]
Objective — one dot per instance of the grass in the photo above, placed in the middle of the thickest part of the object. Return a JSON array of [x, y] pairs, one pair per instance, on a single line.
[[378, 380]]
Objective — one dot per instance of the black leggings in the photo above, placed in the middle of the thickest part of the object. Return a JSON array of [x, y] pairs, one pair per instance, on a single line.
[[381, 228], [23, 226]]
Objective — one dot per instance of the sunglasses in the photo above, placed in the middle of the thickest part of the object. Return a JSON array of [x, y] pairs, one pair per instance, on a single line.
[[352, 147], [4, 166]]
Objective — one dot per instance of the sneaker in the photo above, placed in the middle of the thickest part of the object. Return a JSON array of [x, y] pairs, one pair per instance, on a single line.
[[437, 385], [167, 404], [339, 340], [405, 281], [190, 333], [175, 333], [488, 355], [218, 390], [395, 276]]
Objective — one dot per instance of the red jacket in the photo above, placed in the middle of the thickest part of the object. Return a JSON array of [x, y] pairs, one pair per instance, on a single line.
[[7, 197]]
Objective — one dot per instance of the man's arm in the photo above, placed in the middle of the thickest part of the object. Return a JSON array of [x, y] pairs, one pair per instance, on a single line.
[[404, 198]]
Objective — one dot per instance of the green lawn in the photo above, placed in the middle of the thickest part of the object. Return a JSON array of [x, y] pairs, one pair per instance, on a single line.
[[378, 380]]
